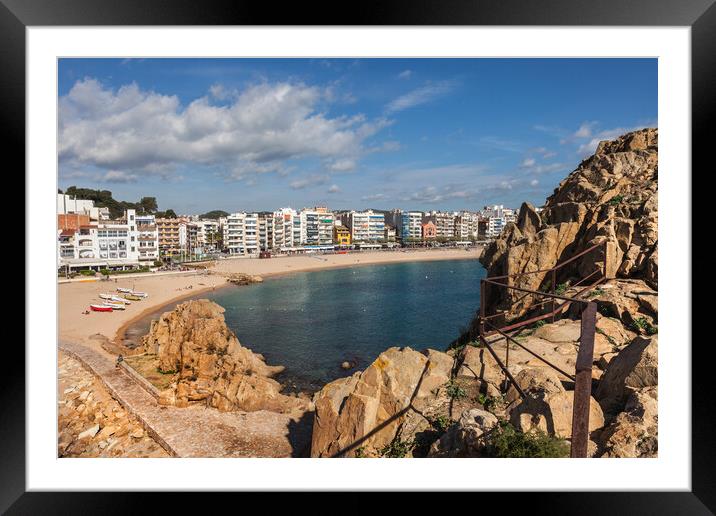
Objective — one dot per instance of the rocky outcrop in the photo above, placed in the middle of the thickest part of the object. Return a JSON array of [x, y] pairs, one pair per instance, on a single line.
[[611, 197], [634, 432], [635, 367], [394, 398], [241, 278], [212, 367], [547, 406], [465, 438]]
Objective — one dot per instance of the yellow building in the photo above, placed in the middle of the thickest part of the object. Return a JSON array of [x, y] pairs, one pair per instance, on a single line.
[[341, 236]]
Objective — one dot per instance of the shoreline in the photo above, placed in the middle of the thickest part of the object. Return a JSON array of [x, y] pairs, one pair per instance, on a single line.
[[121, 332], [164, 290]]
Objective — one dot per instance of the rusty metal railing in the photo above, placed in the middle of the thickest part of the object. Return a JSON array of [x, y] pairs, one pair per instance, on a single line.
[[582, 376]]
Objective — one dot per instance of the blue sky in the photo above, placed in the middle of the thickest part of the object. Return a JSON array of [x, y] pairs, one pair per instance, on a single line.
[[259, 134]]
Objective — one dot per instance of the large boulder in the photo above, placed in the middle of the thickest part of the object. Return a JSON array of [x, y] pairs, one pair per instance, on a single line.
[[553, 415], [371, 408], [547, 406], [635, 367], [634, 432], [478, 365], [193, 342], [465, 437]]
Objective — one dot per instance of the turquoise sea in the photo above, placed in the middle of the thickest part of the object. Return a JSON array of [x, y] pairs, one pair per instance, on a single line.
[[311, 322]]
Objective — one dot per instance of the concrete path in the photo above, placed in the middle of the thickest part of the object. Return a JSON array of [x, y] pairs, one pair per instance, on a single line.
[[199, 431]]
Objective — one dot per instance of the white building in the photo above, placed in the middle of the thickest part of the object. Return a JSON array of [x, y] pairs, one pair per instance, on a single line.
[[316, 226], [286, 229], [147, 238], [498, 217], [241, 233], [111, 244], [365, 226], [208, 234], [66, 205]]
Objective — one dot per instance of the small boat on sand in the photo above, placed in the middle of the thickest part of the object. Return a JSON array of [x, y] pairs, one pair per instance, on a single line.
[[132, 297], [101, 308], [106, 296], [118, 299], [114, 306], [124, 290], [139, 294]]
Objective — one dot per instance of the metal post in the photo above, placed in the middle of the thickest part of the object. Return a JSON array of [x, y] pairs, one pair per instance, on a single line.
[[583, 382], [482, 307], [604, 267], [554, 286]]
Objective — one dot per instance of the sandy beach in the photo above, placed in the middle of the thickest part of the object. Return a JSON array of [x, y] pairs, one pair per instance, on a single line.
[[74, 298]]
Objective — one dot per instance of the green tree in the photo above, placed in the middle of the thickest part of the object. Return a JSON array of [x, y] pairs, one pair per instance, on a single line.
[[148, 204], [214, 214]]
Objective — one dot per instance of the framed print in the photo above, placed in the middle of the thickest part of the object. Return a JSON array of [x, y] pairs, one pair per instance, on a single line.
[[423, 243]]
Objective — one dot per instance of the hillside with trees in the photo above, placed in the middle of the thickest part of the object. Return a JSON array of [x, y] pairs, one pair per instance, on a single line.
[[104, 199]]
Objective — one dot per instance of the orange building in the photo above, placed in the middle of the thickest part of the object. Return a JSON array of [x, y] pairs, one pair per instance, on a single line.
[[72, 221], [430, 230]]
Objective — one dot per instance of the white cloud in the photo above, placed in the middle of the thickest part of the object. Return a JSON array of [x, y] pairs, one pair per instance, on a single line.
[[261, 128], [117, 176], [334, 189], [373, 197], [419, 96], [528, 162], [589, 147], [342, 165], [405, 74], [534, 182], [312, 180], [585, 130]]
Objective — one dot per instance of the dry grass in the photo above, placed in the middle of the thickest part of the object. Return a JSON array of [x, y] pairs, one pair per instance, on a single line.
[[147, 366]]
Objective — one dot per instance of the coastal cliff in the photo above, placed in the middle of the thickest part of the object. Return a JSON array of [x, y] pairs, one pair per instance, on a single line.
[[611, 197], [210, 365], [459, 404]]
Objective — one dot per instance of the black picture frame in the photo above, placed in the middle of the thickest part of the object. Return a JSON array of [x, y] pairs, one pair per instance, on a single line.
[[700, 15]]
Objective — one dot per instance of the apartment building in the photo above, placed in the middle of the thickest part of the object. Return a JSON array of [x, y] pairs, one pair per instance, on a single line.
[[497, 218], [390, 234], [208, 235], [287, 228], [66, 204], [147, 238], [172, 235], [444, 223], [467, 225], [366, 226], [316, 226], [100, 244], [242, 233], [266, 228], [411, 225]]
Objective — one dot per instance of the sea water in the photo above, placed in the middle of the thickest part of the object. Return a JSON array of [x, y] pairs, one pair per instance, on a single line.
[[312, 322]]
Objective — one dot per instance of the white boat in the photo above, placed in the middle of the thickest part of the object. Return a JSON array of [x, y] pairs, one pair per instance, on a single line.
[[125, 290], [118, 299], [139, 294], [106, 296], [114, 306]]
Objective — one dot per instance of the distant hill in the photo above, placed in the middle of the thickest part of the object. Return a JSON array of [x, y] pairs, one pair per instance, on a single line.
[[214, 214]]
